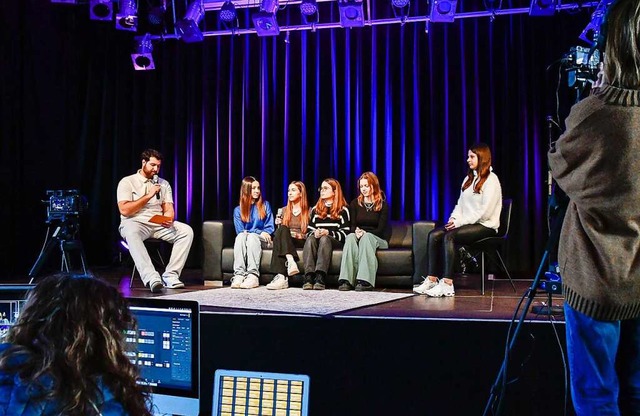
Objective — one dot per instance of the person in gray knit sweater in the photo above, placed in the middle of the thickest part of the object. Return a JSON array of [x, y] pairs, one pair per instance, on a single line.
[[594, 162]]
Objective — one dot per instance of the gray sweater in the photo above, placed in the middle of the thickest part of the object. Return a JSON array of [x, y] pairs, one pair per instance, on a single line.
[[596, 163]]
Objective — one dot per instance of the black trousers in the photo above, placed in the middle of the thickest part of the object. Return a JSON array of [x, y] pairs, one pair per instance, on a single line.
[[283, 244], [442, 244]]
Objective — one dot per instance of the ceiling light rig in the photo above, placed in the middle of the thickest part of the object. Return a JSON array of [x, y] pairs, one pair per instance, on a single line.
[[188, 27], [127, 16]]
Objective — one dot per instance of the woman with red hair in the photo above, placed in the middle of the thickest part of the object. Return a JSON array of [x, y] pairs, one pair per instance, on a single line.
[[253, 221], [329, 223], [369, 232], [292, 222], [475, 216]]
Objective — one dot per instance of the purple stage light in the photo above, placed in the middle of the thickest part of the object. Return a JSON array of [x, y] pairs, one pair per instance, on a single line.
[[351, 13], [127, 16], [308, 7], [265, 23], [188, 26], [443, 11], [100, 10], [228, 12], [142, 58], [542, 8], [400, 3]]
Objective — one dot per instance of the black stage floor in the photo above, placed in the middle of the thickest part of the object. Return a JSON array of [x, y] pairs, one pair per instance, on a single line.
[[413, 356]]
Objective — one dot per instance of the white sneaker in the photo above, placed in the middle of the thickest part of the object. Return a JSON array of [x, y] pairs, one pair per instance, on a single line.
[[278, 282], [250, 282], [236, 281], [172, 282], [292, 268], [424, 286], [441, 289]]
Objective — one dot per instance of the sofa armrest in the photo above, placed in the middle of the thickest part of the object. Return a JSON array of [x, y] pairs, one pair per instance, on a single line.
[[216, 235], [421, 230]]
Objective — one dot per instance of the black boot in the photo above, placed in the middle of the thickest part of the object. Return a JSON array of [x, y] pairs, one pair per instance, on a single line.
[[308, 281], [319, 283]]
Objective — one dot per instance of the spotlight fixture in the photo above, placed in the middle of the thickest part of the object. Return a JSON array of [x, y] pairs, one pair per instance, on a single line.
[[141, 57], [156, 11], [351, 13], [188, 26], [228, 12], [265, 21], [542, 8], [309, 11], [100, 9], [127, 16], [443, 11], [401, 9], [65, 1]]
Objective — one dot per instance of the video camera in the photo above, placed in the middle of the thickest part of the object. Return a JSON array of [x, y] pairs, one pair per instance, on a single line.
[[581, 65], [63, 204]]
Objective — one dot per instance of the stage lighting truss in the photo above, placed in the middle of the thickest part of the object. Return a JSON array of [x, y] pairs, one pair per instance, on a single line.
[[142, 57], [127, 16], [188, 28], [100, 10], [443, 11]]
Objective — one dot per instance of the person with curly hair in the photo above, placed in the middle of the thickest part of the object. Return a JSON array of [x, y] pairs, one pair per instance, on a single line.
[[67, 355]]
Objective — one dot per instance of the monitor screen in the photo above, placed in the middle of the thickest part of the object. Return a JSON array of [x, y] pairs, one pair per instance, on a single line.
[[12, 299], [166, 350]]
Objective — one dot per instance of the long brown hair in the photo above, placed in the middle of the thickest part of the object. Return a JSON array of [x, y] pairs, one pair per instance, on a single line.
[[72, 330], [622, 50], [484, 167], [246, 200], [304, 208], [338, 201], [376, 194]]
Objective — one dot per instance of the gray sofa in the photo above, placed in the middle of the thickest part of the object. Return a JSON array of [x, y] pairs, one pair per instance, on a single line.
[[400, 266]]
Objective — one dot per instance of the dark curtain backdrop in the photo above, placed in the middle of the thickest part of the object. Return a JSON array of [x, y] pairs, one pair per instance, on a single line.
[[330, 103]]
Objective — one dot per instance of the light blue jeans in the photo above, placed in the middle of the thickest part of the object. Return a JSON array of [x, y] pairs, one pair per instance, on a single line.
[[247, 251], [359, 258], [604, 361]]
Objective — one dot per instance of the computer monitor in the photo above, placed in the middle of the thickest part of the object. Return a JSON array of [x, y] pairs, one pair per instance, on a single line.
[[166, 345], [257, 393], [12, 299]]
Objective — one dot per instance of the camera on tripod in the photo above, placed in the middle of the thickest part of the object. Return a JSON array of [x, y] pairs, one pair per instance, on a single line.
[[581, 65], [64, 204]]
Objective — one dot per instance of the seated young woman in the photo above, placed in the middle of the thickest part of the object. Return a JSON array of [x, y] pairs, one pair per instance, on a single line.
[[370, 231], [292, 222], [475, 216], [328, 226], [253, 221]]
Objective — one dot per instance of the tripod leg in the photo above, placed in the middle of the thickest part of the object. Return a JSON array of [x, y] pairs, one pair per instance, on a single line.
[[42, 258]]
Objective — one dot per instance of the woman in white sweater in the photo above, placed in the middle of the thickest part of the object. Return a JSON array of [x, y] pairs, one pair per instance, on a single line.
[[475, 216]]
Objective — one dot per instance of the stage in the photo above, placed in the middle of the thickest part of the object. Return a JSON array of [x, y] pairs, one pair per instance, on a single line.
[[411, 356]]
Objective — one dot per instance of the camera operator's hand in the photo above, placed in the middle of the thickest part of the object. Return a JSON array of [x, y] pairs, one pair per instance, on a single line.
[[600, 80]]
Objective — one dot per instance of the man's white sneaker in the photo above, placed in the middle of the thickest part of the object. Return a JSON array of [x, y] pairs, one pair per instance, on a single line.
[[292, 268], [278, 282], [424, 286], [441, 289], [250, 282], [172, 282], [236, 281]]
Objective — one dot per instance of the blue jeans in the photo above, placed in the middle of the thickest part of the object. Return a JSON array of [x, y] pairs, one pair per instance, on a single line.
[[604, 361]]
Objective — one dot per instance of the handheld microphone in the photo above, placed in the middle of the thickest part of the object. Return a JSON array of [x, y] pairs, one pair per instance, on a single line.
[[155, 182]]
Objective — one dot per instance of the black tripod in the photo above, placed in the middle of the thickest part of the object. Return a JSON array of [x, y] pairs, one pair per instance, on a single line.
[[65, 238]]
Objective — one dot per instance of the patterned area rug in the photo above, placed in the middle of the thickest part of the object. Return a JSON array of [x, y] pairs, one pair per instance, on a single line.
[[292, 300]]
